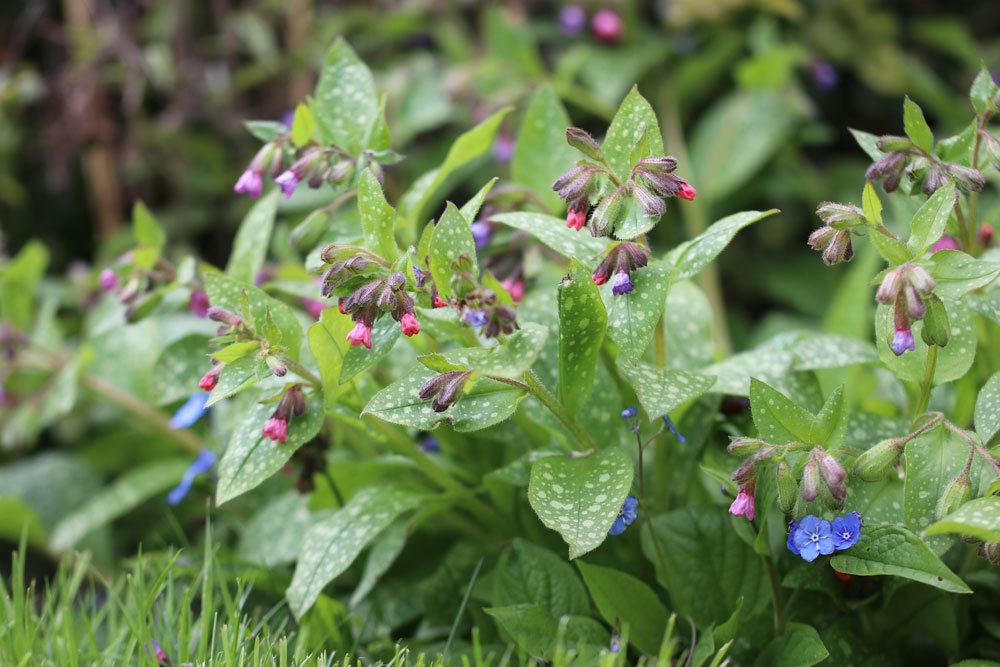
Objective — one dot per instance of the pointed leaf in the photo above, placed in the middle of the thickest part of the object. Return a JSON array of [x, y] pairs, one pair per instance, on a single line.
[[988, 410], [451, 240], [582, 322], [632, 317], [930, 220], [660, 390], [541, 154], [551, 231], [252, 239], [916, 127], [634, 121], [377, 217], [692, 256], [359, 358], [979, 518], [225, 292], [621, 598], [345, 105]]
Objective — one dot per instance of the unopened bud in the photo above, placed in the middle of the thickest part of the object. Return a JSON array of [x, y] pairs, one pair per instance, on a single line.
[[840, 249], [937, 329], [583, 142], [992, 147], [279, 369], [990, 551], [444, 388], [873, 464], [821, 237], [967, 178], [891, 143], [745, 472], [831, 469], [787, 486], [889, 165], [840, 216], [652, 206], [745, 446], [913, 303], [934, 180], [222, 315], [810, 480], [954, 496]]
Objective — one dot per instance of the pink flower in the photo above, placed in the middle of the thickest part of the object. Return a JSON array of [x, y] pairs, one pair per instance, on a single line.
[[287, 181], [198, 304], [361, 334], [438, 302], [276, 429], [408, 324], [945, 243], [600, 277], [515, 287], [687, 191], [211, 378], [108, 280], [250, 183], [606, 26], [576, 219], [313, 307], [743, 504]]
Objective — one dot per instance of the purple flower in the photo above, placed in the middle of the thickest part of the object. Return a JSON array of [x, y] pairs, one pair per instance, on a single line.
[[429, 445], [813, 537], [287, 181], [621, 284], [202, 464], [108, 280], [743, 504], [626, 515], [250, 183], [189, 413], [846, 531], [629, 412], [793, 526], [902, 341], [669, 423], [945, 243], [503, 149], [313, 307], [198, 304], [824, 74], [572, 20], [476, 318], [481, 233]]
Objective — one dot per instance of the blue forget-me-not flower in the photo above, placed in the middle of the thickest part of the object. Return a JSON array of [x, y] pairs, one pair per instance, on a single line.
[[626, 515], [202, 464]]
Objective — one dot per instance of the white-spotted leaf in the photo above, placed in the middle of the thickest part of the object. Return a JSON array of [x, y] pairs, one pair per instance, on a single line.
[[377, 217], [252, 239], [552, 231], [979, 518], [632, 317], [582, 322], [227, 293], [541, 154], [690, 257], [634, 121], [345, 106], [988, 409], [660, 390], [452, 239]]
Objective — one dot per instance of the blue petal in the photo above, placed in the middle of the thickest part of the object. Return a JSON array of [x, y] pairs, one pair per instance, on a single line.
[[631, 504], [809, 552], [202, 464], [673, 429], [618, 527], [189, 413], [825, 544], [790, 540]]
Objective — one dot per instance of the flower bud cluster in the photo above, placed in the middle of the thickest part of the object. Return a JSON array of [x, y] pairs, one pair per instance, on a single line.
[[908, 289], [373, 299], [834, 237], [617, 266], [903, 157], [445, 389], [311, 164]]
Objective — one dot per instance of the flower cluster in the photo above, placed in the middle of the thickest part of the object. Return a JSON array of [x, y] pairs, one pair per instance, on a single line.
[[444, 388], [626, 515], [291, 404], [903, 157], [372, 300], [906, 288], [810, 537], [482, 309], [834, 237], [622, 259], [651, 181], [312, 164]]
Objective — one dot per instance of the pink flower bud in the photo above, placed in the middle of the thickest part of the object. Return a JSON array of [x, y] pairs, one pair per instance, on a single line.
[[108, 280], [687, 191], [250, 183], [211, 378], [945, 243], [361, 334], [743, 504], [576, 219], [276, 429], [409, 325], [606, 26], [515, 287], [198, 304]]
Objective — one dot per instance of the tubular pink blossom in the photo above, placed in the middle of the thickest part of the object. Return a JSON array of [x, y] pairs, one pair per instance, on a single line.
[[743, 504], [409, 325], [361, 334]]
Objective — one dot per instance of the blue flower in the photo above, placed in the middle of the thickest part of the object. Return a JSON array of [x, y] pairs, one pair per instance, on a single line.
[[626, 515], [190, 412], [793, 526], [813, 537], [621, 284], [481, 233], [476, 318], [429, 445], [202, 464], [846, 531], [629, 412], [673, 429]]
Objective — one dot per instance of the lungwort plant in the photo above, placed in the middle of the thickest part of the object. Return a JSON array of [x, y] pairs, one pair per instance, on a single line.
[[507, 412]]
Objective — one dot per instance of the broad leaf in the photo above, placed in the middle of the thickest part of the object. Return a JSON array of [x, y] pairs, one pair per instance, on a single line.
[[634, 122], [536, 632], [345, 105], [384, 552], [957, 274], [238, 376], [815, 351], [580, 497], [18, 283], [332, 544], [227, 293], [690, 257], [328, 346], [541, 154], [511, 360], [252, 240], [452, 239], [988, 409], [179, 367], [377, 217], [660, 390], [930, 220], [250, 458], [892, 550], [798, 646], [626, 600], [979, 518], [273, 535], [529, 574], [687, 327], [954, 359], [632, 317], [916, 127], [582, 322], [359, 358], [551, 231]]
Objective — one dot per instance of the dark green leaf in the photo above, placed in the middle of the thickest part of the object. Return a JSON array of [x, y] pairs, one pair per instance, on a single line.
[[930, 220], [551, 231], [345, 105], [979, 518], [541, 154], [529, 574], [451, 240], [626, 600], [632, 317], [988, 409], [798, 646]]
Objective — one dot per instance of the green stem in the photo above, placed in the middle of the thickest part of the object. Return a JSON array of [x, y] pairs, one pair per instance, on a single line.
[[542, 393], [928, 381], [963, 229], [772, 575], [303, 372]]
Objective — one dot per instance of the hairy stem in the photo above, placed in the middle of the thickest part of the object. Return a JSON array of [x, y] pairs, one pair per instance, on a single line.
[[542, 393]]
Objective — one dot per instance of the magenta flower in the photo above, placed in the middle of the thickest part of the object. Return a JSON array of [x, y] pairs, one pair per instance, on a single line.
[[198, 304], [743, 504], [276, 429], [287, 181], [409, 325]]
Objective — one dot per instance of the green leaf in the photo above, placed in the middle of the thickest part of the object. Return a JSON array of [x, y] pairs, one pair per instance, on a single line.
[[19, 282], [890, 248], [345, 105], [529, 574], [632, 317], [384, 552], [582, 322], [303, 126], [536, 632], [328, 345], [359, 358], [982, 91], [332, 544], [815, 351], [798, 646], [780, 420], [553, 232], [236, 351], [225, 292], [430, 187], [580, 497], [979, 518], [957, 274], [451, 240], [125, 494], [932, 461], [687, 327], [265, 130], [893, 550], [660, 390], [179, 367], [253, 239], [868, 143], [632, 219], [634, 122], [470, 209], [489, 402], [273, 535], [377, 217], [737, 137], [148, 234], [690, 257], [622, 598], [930, 220], [987, 416], [916, 127], [236, 377], [954, 359], [17, 518], [250, 458], [512, 359], [871, 205], [705, 565], [541, 154]]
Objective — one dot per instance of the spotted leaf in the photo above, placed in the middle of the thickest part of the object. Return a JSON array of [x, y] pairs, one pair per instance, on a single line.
[[660, 390], [690, 257], [553, 232], [632, 317]]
